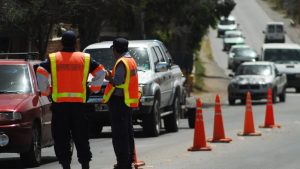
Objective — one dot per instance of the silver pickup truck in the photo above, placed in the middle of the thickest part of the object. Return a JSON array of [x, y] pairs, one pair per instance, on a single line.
[[161, 82]]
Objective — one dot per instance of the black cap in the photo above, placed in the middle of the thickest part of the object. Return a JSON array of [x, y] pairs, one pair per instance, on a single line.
[[120, 45], [68, 39]]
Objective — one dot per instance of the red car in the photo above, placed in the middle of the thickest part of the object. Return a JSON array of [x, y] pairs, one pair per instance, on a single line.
[[25, 115]]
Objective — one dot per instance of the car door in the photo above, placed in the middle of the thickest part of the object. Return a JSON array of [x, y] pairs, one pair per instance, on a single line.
[[163, 79]]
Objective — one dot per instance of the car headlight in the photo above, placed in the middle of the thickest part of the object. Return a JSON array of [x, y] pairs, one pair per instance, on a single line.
[[10, 116]]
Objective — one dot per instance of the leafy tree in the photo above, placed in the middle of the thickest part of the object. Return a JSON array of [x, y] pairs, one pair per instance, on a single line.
[[33, 18]]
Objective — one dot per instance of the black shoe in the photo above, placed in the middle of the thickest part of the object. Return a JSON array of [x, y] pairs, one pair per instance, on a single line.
[[66, 166], [85, 166]]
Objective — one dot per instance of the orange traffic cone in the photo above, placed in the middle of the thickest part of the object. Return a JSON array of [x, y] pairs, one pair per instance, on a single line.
[[269, 118], [219, 134], [199, 132], [249, 129], [137, 163]]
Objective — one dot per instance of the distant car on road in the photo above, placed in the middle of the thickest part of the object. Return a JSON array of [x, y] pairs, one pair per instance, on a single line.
[[226, 24], [231, 53], [286, 56], [231, 38], [274, 32], [257, 78], [243, 55], [25, 115]]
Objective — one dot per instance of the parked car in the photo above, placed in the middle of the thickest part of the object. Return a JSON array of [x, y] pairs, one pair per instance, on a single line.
[[257, 78], [225, 24], [243, 55], [286, 56], [232, 38], [233, 50], [274, 32], [25, 116], [160, 80]]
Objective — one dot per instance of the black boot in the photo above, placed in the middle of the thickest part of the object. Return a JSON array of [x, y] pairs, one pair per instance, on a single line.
[[85, 166], [66, 166]]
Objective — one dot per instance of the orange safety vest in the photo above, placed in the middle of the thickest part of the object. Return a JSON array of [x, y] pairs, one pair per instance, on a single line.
[[69, 72], [130, 85]]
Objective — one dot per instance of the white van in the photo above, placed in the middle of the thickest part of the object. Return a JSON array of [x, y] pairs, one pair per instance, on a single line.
[[274, 32], [286, 57]]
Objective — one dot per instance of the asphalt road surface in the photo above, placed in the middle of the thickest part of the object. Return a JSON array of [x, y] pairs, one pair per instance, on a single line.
[[275, 149]]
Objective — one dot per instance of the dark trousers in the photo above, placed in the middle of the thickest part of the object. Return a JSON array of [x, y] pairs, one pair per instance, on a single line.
[[122, 131], [69, 120]]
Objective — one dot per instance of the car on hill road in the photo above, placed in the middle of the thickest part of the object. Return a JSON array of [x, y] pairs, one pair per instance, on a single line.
[[231, 38], [257, 78]]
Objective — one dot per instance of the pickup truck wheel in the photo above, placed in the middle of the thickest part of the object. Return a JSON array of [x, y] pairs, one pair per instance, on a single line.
[[172, 121], [274, 95], [32, 158], [151, 122], [231, 100], [191, 117], [282, 96]]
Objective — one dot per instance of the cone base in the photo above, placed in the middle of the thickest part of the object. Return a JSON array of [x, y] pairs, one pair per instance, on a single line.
[[270, 126], [207, 148], [222, 140], [138, 164], [249, 134]]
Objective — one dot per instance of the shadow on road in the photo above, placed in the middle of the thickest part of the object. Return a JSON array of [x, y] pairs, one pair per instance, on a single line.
[[15, 162]]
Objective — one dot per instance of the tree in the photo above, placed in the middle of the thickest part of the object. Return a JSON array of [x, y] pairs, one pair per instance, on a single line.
[[224, 7], [33, 18]]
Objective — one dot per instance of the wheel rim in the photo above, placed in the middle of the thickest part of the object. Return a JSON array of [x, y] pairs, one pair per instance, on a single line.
[[157, 117], [36, 145], [176, 110]]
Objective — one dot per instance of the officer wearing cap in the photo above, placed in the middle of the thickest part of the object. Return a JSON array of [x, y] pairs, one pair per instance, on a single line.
[[69, 90], [122, 95]]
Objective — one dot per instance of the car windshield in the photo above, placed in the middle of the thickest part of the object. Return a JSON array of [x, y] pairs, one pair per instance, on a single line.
[[105, 57], [245, 52], [282, 55], [14, 79], [254, 70], [232, 35], [226, 22]]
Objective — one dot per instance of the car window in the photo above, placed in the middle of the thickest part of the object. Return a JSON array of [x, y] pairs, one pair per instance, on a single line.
[[232, 35], [105, 57], [271, 28], [15, 79], [227, 22], [159, 54], [282, 55], [254, 70], [155, 57], [279, 28], [245, 52]]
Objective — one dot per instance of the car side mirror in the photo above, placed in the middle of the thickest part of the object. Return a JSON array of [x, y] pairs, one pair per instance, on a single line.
[[230, 75], [161, 66], [263, 32]]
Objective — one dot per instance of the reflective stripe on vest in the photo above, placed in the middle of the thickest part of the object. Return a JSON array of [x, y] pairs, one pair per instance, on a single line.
[[55, 94], [130, 102]]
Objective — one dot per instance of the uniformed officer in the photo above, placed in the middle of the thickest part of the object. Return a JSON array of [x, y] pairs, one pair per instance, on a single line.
[[122, 95], [69, 72]]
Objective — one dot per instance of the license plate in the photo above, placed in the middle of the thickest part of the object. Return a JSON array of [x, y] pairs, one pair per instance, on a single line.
[[101, 107]]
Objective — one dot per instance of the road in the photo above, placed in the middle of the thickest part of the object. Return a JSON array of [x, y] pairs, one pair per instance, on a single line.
[[275, 149]]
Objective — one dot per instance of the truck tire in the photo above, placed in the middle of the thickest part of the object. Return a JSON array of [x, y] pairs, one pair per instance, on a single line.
[[171, 121], [191, 113], [282, 96], [151, 121], [32, 158]]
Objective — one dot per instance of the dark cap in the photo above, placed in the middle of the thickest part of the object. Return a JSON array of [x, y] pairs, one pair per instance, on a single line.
[[68, 39], [120, 45]]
